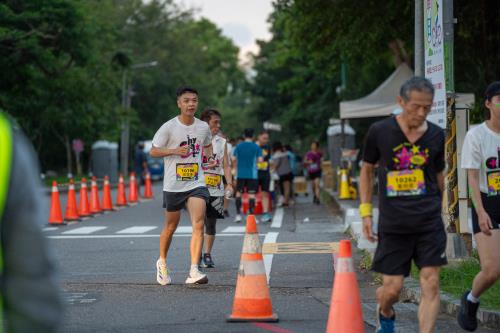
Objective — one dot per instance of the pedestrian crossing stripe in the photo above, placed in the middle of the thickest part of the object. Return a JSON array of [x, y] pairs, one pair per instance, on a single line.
[[140, 230], [300, 248], [136, 230], [83, 230]]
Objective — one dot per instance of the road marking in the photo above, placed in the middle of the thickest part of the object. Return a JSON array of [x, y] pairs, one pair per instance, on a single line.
[[136, 230], [300, 248], [184, 229], [134, 236], [234, 230], [271, 237], [271, 328], [83, 230], [277, 218], [50, 229]]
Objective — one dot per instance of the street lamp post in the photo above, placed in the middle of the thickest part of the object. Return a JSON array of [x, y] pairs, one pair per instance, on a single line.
[[125, 126]]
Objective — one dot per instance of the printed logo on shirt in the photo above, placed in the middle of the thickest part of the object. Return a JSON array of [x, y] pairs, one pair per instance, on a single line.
[[194, 148], [493, 174], [407, 177]]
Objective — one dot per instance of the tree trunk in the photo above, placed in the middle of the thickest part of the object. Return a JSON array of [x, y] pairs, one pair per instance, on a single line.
[[69, 161]]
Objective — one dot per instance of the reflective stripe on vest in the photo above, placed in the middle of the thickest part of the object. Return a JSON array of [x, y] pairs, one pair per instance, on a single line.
[[5, 165]]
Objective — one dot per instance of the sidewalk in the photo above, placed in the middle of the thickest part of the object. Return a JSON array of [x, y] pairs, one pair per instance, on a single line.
[[407, 308]]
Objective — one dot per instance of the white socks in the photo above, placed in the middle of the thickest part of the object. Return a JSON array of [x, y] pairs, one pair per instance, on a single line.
[[472, 298], [194, 268]]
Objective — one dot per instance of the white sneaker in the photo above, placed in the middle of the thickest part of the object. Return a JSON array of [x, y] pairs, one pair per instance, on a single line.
[[196, 277], [238, 218], [162, 275]]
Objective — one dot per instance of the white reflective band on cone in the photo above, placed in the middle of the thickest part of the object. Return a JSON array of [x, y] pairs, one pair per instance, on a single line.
[[254, 267], [251, 244], [344, 265]]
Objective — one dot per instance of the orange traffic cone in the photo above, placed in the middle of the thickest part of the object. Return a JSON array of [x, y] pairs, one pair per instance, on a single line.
[[71, 210], [95, 207], [107, 202], [132, 188], [121, 199], [83, 208], [55, 216], [148, 189], [259, 209], [345, 306], [246, 202], [252, 301]]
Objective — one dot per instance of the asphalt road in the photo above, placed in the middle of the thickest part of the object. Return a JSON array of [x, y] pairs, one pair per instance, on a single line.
[[107, 270]]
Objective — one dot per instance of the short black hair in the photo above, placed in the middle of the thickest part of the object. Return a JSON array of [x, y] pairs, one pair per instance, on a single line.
[[277, 145], [492, 90], [248, 132], [185, 89], [416, 83], [207, 114]]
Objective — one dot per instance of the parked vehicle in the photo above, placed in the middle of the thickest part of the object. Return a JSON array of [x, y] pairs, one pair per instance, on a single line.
[[155, 165]]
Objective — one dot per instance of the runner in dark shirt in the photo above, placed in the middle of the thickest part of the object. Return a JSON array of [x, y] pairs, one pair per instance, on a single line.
[[409, 152]]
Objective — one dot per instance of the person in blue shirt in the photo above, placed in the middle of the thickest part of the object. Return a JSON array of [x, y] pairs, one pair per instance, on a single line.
[[246, 155]]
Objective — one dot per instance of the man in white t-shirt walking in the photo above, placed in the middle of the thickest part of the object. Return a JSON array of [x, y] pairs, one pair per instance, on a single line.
[[180, 142], [214, 181], [481, 158]]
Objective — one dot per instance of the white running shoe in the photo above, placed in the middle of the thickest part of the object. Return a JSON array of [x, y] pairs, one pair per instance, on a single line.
[[196, 277], [238, 218], [162, 275]]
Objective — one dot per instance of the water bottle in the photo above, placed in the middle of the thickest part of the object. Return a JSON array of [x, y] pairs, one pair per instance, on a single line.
[[228, 193]]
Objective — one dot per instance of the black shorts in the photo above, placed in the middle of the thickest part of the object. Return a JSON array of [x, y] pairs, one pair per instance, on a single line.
[[264, 180], [395, 252], [287, 177], [490, 204], [314, 175], [175, 201], [215, 208], [251, 185]]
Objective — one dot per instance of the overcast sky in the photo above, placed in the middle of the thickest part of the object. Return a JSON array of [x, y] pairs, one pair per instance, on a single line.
[[244, 21]]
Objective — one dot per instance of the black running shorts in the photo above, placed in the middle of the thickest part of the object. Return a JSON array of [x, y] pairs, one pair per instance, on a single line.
[[314, 175], [250, 185], [175, 201], [490, 204], [215, 208], [264, 180], [396, 251]]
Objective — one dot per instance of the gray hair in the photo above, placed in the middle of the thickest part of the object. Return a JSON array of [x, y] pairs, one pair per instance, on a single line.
[[416, 83]]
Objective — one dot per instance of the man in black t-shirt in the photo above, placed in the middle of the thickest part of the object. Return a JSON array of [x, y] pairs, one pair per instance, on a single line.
[[264, 175], [409, 152]]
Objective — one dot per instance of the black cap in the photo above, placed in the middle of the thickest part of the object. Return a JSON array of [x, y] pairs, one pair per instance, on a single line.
[[492, 90]]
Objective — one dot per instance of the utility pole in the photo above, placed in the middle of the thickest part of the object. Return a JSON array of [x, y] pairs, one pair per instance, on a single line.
[[419, 38], [451, 180], [127, 94]]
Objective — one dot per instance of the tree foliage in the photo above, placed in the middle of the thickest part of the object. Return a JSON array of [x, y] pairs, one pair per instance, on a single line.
[[299, 69], [63, 62]]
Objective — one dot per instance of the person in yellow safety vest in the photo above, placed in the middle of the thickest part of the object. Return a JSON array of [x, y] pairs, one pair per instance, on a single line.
[[29, 295]]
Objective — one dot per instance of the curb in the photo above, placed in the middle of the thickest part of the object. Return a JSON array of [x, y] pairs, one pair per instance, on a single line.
[[449, 304], [411, 291]]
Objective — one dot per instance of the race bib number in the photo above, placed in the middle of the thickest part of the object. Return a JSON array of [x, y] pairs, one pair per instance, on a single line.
[[313, 167], [493, 183], [405, 183], [187, 171], [262, 165], [212, 180]]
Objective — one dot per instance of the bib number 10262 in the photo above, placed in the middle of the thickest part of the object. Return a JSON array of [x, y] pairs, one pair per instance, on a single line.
[[405, 183]]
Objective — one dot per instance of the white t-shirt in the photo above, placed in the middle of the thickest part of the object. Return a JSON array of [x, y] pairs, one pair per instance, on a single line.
[[213, 177], [481, 150], [183, 173]]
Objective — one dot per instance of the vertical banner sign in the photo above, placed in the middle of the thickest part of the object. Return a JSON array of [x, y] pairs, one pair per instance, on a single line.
[[434, 58]]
